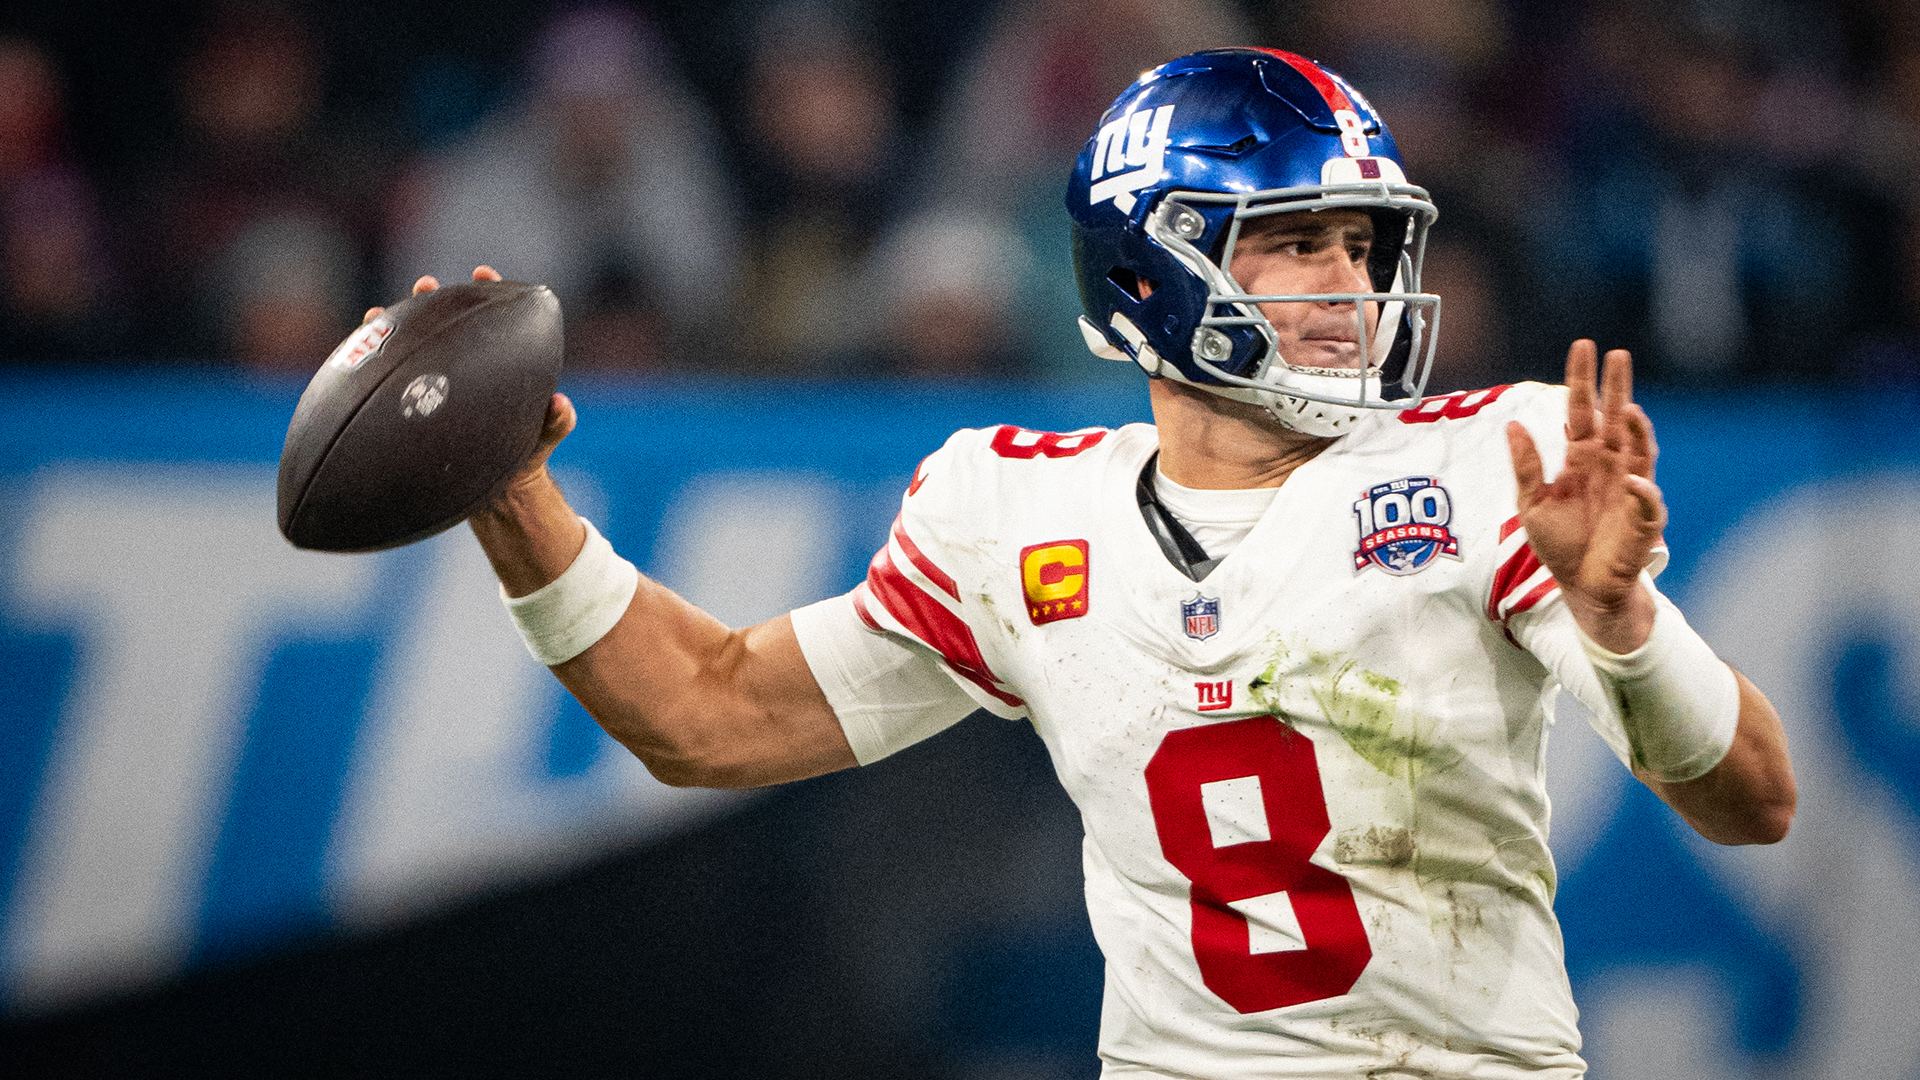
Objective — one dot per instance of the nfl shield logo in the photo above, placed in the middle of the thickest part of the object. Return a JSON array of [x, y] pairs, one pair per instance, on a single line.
[[1202, 615]]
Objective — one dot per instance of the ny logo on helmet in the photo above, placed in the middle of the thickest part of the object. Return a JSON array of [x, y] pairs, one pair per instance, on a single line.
[[1138, 141]]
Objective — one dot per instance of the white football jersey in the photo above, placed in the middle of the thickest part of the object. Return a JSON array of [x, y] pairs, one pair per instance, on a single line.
[[1312, 783]]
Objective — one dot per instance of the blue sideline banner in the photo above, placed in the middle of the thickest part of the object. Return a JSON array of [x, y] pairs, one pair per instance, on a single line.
[[212, 744]]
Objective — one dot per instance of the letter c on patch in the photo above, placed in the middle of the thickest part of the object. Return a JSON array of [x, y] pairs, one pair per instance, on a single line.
[[1054, 578]]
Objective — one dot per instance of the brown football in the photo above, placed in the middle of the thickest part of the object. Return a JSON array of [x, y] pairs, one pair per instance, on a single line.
[[420, 416]]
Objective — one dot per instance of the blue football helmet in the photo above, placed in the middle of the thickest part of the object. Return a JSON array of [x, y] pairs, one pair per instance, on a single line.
[[1181, 159]]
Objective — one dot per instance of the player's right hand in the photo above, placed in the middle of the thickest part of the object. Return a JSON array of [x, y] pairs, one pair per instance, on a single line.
[[560, 422], [561, 417]]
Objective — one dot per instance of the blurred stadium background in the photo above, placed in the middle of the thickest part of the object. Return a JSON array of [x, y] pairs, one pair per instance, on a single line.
[[269, 813]]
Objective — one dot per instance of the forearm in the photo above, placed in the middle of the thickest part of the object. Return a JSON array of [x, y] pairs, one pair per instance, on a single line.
[[1749, 797], [1675, 703], [704, 705], [698, 703], [1729, 775]]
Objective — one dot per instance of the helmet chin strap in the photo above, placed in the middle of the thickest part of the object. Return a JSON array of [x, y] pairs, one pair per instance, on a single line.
[[1311, 417], [1314, 418]]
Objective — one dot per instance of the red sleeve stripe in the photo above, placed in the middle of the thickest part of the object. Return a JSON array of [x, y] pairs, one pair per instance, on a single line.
[[860, 596], [928, 620], [1538, 594], [1522, 565], [1507, 527], [925, 565]]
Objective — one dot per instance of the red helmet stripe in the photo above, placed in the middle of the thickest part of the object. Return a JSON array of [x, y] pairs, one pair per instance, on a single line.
[[1336, 98]]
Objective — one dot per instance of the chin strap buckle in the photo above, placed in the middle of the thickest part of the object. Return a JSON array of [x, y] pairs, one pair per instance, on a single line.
[[1143, 353]]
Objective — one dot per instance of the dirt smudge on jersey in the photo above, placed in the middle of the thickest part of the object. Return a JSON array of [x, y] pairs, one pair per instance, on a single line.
[[993, 612], [1379, 845], [1428, 844], [1391, 1042], [1464, 915]]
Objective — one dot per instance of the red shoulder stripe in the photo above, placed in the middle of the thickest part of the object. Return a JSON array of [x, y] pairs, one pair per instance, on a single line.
[[925, 618], [1537, 594], [1519, 567], [918, 558], [1508, 526]]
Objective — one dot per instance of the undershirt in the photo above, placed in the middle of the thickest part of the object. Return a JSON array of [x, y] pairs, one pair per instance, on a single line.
[[1217, 520]]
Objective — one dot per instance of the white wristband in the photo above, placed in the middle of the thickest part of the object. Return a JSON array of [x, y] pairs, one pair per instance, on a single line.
[[562, 618], [1678, 702]]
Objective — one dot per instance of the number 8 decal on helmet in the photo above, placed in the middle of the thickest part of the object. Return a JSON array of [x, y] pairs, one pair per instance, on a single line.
[[1240, 812], [1353, 132]]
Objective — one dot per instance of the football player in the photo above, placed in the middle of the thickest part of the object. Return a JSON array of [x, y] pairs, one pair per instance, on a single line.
[[1293, 647]]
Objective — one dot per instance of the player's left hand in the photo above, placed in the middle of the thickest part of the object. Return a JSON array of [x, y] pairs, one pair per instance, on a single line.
[[1596, 525]]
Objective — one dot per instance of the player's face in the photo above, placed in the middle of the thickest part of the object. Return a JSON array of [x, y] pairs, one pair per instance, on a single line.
[[1309, 251]]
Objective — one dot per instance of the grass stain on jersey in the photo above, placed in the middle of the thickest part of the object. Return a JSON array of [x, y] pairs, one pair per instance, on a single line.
[[1364, 707]]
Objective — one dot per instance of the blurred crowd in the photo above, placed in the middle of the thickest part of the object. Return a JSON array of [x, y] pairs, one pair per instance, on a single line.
[[844, 188]]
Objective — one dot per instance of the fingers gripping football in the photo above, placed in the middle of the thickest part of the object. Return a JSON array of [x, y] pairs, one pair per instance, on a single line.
[[560, 422], [561, 417], [428, 283], [423, 415], [1596, 525]]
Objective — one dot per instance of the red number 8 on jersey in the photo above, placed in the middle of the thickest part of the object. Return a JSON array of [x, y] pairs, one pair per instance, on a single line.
[[1239, 809]]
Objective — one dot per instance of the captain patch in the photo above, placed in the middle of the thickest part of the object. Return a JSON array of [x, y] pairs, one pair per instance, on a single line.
[[1054, 577], [1403, 526]]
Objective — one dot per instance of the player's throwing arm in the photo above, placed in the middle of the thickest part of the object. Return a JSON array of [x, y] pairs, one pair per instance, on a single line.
[[700, 704]]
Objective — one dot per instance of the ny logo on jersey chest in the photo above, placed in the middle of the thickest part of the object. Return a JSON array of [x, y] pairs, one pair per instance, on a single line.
[[1404, 526], [1213, 696]]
